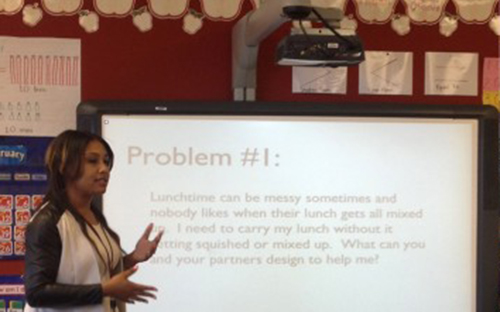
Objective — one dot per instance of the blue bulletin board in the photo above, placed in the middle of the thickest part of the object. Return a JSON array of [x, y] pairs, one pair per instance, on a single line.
[[23, 182], [11, 293]]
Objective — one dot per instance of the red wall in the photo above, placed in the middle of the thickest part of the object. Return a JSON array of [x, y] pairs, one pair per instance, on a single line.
[[119, 62]]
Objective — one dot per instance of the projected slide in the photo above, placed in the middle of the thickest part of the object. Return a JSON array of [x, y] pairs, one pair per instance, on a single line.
[[299, 214]]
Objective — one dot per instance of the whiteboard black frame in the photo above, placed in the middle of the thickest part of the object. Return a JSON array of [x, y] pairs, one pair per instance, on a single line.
[[89, 116]]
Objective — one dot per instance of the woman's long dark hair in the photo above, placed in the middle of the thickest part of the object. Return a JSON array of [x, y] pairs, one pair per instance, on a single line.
[[63, 159]]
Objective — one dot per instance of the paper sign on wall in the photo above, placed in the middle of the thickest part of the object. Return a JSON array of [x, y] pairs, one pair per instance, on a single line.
[[491, 82], [451, 74], [40, 85], [385, 72], [319, 80]]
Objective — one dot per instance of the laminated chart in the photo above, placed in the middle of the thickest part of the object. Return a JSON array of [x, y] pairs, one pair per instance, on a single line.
[[39, 85]]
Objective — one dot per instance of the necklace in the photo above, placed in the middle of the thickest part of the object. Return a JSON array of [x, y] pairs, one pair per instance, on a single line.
[[108, 260]]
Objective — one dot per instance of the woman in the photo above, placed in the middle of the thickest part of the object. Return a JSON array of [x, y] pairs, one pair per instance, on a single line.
[[73, 259]]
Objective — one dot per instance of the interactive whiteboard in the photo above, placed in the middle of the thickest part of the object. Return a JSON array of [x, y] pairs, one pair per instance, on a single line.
[[325, 212]]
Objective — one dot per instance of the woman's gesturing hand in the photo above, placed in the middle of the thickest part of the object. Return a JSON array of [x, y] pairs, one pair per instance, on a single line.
[[121, 288], [144, 249]]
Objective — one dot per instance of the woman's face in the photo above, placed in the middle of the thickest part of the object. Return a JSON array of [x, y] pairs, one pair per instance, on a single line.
[[94, 172]]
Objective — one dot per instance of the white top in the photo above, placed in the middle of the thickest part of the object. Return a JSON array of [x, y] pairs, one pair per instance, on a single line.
[[109, 252], [78, 264]]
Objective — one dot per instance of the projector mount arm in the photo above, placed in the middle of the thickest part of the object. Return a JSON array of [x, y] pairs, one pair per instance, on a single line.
[[250, 30]]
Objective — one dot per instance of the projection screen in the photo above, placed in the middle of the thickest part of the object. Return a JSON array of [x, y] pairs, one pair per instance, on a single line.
[[302, 212]]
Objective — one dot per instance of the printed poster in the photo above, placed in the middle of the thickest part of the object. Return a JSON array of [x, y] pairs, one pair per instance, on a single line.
[[40, 85], [11, 293], [23, 181]]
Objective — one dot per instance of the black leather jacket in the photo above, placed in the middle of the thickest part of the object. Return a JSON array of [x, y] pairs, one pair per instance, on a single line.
[[43, 255]]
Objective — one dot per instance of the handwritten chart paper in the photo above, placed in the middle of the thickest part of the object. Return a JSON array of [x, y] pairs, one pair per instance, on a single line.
[[40, 85], [385, 72], [491, 82], [319, 80], [451, 74]]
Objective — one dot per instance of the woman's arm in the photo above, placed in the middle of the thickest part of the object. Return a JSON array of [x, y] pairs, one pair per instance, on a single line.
[[144, 249], [43, 254], [121, 288]]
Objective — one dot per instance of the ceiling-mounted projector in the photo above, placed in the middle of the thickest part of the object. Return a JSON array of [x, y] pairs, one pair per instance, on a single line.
[[328, 46], [320, 47]]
